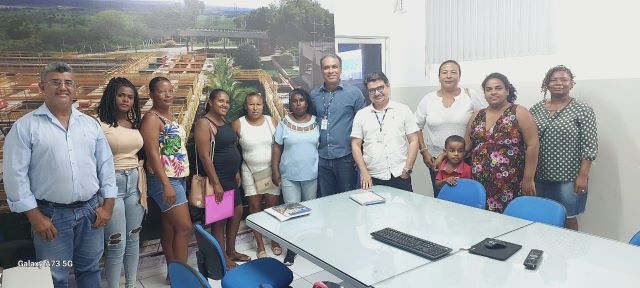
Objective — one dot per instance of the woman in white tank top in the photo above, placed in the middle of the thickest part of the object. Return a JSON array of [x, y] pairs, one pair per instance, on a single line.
[[256, 137]]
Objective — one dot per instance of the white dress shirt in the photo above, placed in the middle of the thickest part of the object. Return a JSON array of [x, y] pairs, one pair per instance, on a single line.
[[385, 144]]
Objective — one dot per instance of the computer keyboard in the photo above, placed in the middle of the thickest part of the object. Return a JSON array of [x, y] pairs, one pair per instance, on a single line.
[[415, 245]]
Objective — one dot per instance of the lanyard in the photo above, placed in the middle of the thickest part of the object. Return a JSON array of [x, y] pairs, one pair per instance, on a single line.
[[381, 122], [325, 105]]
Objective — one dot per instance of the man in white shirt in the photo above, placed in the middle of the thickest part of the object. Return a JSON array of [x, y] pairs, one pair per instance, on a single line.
[[384, 138]]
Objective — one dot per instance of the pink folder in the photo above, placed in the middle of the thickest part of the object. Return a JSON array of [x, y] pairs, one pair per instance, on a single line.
[[214, 212]]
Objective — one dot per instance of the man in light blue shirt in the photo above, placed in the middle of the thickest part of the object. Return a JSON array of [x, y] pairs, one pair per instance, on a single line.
[[57, 162], [336, 105]]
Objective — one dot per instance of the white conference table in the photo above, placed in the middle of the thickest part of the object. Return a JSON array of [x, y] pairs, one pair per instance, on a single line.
[[336, 235], [570, 259]]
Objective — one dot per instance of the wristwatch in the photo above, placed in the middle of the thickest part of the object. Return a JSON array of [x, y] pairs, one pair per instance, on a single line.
[[408, 170]]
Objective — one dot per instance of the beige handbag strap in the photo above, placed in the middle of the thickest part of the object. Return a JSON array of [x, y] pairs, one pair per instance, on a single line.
[[269, 124], [213, 130], [273, 139]]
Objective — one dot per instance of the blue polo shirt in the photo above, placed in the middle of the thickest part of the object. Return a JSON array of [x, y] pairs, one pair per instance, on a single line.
[[340, 107]]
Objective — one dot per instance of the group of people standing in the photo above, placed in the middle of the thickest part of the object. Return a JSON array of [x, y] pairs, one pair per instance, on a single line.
[[82, 185], [545, 151]]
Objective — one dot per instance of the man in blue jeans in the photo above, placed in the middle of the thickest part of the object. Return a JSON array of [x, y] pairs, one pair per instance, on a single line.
[[56, 161], [336, 105]]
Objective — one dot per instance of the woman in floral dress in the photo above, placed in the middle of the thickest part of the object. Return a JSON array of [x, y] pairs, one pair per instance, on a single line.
[[167, 167], [503, 139]]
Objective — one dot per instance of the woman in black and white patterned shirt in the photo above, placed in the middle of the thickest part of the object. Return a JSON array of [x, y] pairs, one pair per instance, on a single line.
[[568, 144]]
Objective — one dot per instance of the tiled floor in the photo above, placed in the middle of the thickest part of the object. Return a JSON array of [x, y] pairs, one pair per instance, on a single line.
[[153, 270]]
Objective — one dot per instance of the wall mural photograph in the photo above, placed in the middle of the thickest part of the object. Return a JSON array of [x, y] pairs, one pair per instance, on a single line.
[[240, 46]]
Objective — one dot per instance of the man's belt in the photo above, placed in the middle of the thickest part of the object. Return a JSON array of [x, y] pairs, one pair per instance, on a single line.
[[76, 204]]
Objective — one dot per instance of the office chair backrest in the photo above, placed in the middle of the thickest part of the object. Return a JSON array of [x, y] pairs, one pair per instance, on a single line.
[[212, 252], [537, 209], [182, 275], [466, 192], [635, 240]]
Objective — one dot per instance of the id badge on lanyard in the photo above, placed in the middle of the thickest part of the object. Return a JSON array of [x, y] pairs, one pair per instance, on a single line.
[[324, 123]]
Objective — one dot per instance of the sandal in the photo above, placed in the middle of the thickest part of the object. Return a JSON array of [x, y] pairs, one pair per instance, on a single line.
[[262, 254], [277, 250], [288, 260], [239, 257]]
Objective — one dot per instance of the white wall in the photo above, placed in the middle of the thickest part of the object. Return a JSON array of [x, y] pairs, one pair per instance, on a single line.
[[596, 39], [406, 34]]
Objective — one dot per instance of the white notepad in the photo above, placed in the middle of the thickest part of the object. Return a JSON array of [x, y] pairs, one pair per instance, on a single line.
[[368, 197]]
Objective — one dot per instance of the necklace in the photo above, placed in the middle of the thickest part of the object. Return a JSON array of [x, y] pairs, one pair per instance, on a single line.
[[126, 123], [554, 109], [552, 112], [305, 118], [447, 101], [215, 119], [289, 122], [170, 118]]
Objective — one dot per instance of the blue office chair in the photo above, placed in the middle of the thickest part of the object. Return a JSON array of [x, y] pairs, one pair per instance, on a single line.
[[263, 271], [466, 192], [183, 276], [537, 209], [635, 240]]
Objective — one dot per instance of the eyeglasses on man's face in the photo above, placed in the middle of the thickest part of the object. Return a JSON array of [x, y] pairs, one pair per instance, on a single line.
[[378, 89], [58, 83]]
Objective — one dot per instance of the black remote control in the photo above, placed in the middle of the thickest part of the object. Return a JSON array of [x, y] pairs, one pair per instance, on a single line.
[[533, 259]]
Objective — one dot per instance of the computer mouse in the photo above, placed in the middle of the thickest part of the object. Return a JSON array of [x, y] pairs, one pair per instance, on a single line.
[[493, 244]]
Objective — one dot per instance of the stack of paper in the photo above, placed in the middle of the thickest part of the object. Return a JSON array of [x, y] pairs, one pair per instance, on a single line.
[[367, 197]]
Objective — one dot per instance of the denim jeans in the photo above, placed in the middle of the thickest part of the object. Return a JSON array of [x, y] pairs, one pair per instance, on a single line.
[[77, 243], [563, 192], [336, 175], [122, 233], [155, 190], [296, 191]]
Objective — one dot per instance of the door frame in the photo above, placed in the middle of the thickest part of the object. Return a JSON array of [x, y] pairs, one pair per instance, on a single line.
[[382, 40]]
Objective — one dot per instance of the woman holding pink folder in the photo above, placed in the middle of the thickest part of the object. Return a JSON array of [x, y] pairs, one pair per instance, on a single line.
[[223, 171]]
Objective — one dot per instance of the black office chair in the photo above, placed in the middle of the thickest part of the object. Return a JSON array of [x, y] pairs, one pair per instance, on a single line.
[[15, 240]]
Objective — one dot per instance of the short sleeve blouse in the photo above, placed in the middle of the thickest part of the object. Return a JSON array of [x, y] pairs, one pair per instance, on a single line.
[[566, 138], [299, 160]]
